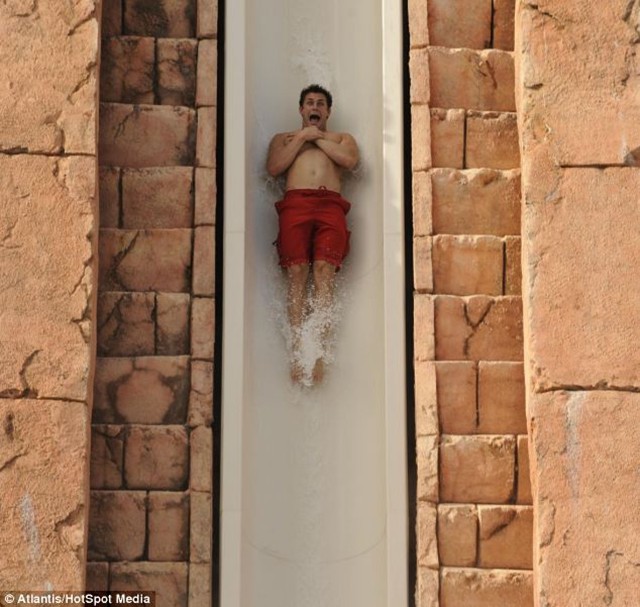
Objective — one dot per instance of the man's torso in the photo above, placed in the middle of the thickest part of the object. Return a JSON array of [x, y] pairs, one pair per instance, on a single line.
[[313, 169]]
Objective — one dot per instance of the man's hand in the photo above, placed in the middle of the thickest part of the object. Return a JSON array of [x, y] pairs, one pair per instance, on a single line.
[[312, 133]]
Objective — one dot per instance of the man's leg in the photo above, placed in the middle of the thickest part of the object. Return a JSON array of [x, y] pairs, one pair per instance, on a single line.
[[323, 281], [296, 302]]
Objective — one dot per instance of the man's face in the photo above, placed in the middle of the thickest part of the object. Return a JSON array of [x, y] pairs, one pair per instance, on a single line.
[[315, 111]]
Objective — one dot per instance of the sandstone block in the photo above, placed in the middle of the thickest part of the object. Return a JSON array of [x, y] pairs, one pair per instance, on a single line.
[[168, 526], [156, 457], [145, 260], [157, 198], [427, 460], [126, 324], [427, 546], [207, 88], [201, 461], [202, 327], [473, 80], [206, 140], [428, 584], [107, 456], [177, 71], [447, 138], [457, 534], [147, 135], [477, 201], [127, 69], [479, 469], [111, 18], [97, 577], [172, 329], [486, 588], [492, 141], [207, 18], [204, 261], [480, 328], [422, 265], [505, 537], [456, 388], [201, 525], [167, 19], [501, 405], [460, 23], [205, 213], [423, 315], [199, 584], [167, 580], [426, 402], [420, 137], [513, 265], [109, 197], [503, 24], [419, 75], [47, 275], [201, 396], [524, 475], [144, 390], [421, 199], [43, 532], [117, 525], [418, 23], [467, 265]]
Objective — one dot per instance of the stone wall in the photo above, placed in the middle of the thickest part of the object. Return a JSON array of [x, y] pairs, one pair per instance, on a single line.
[[152, 445], [474, 514], [48, 111]]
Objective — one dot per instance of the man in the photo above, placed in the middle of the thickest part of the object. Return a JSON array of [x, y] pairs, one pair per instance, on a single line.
[[313, 236]]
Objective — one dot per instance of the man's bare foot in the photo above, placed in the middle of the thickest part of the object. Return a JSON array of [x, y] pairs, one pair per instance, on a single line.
[[318, 372]]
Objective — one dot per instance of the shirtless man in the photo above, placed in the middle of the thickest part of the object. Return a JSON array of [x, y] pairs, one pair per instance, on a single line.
[[313, 236]]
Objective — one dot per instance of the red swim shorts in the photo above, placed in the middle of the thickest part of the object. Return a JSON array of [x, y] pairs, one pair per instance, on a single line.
[[312, 227]]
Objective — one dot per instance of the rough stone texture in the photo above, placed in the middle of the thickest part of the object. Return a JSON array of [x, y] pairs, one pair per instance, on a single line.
[[166, 19], [111, 18], [45, 348], [419, 75], [501, 408], [478, 588], [418, 23], [97, 577], [422, 264], [177, 72], [492, 141], [427, 546], [202, 327], [199, 585], [447, 138], [478, 469], [456, 389], [424, 329], [168, 526], [201, 527], [48, 101], [206, 140], [428, 585], [427, 458], [513, 265], [207, 88], [586, 494], [457, 534], [172, 317], [505, 537], [127, 69], [109, 179], [203, 282], [420, 137], [205, 194], [425, 394], [460, 23], [126, 324], [43, 532], [201, 460], [476, 201], [473, 80], [524, 474], [207, 18], [503, 24], [107, 456], [201, 396], [167, 580], [422, 202]]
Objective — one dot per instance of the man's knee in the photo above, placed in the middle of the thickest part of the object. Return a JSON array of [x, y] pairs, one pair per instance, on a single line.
[[298, 273], [323, 270]]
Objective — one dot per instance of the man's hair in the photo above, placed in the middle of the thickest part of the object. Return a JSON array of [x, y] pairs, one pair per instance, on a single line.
[[315, 88]]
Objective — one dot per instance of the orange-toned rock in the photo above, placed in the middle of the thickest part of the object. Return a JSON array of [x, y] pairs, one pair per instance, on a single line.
[[107, 456], [505, 537], [428, 585], [202, 327], [201, 518], [426, 402], [172, 323], [422, 264], [501, 408], [203, 282], [168, 526], [111, 24], [205, 213], [524, 474], [427, 546], [201, 459], [503, 24], [109, 181], [424, 330], [460, 23], [207, 88], [492, 140], [126, 324], [199, 584], [166, 19], [207, 18], [201, 395], [421, 200], [206, 139], [420, 137], [456, 388], [419, 75], [458, 534], [513, 265], [177, 71], [418, 23], [127, 69], [427, 460], [167, 580], [447, 138], [480, 588]]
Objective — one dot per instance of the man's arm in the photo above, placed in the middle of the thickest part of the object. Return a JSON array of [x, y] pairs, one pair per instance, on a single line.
[[284, 149], [341, 148]]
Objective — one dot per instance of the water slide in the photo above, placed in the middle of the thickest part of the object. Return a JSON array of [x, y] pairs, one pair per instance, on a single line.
[[313, 503]]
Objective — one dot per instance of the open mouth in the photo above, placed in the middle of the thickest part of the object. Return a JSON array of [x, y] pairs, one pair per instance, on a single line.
[[314, 118]]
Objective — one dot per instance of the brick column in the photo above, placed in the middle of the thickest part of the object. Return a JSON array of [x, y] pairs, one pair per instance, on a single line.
[[580, 132]]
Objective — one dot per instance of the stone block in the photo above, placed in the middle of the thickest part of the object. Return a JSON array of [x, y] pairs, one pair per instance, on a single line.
[[467, 265], [126, 324], [427, 543], [201, 525], [501, 406], [418, 23], [111, 24], [97, 577], [145, 260], [207, 137], [166, 19], [478, 328], [427, 587], [204, 261], [107, 456], [144, 390], [168, 526], [524, 478], [425, 395], [476, 201], [127, 69], [47, 273], [157, 198], [447, 138], [513, 265], [167, 580], [172, 318], [457, 534], [201, 460], [473, 80], [205, 194], [156, 457], [478, 469], [492, 141], [503, 24], [202, 327], [207, 87], [422, 265], [482, 588], [421, 200], [199, 584], [201, 396], [207, 18], [427, 462], [456, 389], [117, 525], [506, 537], [460, 23], [420, 137], [423, 329], [44, 458], [177, 71], [419, 75], [146, 135], [109, 197]]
